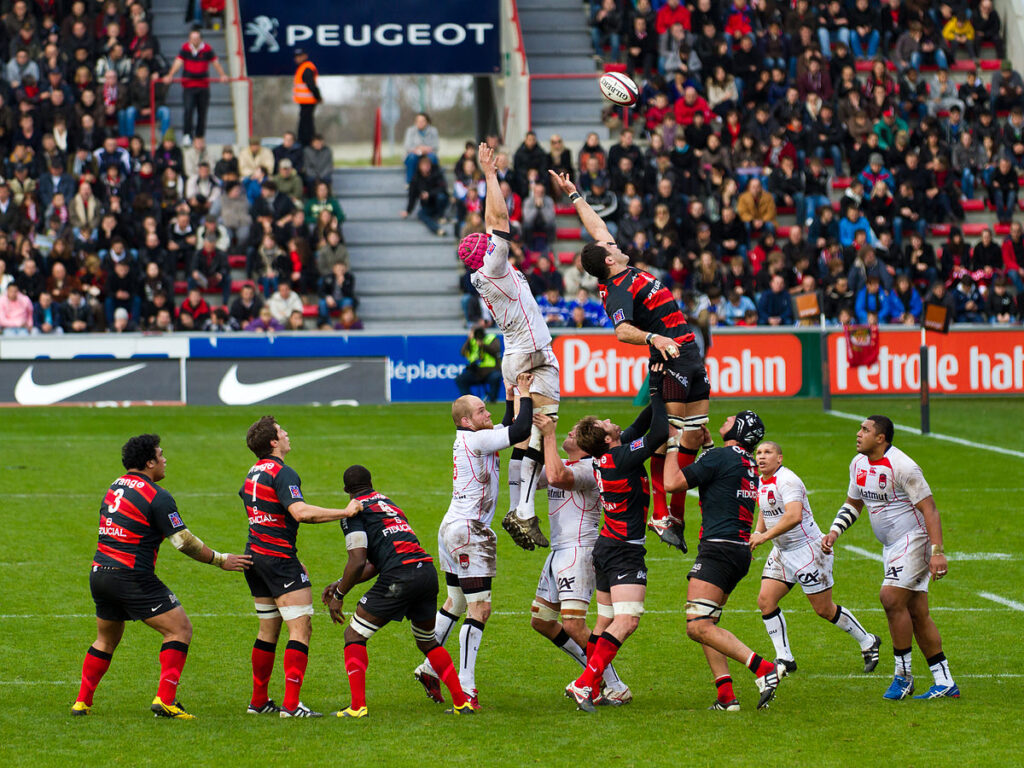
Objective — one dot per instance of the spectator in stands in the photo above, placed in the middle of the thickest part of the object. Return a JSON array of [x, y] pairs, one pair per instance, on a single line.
[[421, 140], [336, 290], [254, 156], [122, 291], [16, 313], [78, 316], [756, 209], [317, 161], [873, 299], [988, 27], [265, 322], [1003, 189], [246, 305], [429, 190], [774, 306], [559, 158], [209, 268], [642, 47], [604, 202], [122, 323], [47, 316], [529, 157], [904, 302], [539, 217], [283, 302], [234, 214], [605, 30], [575, 278], [968, 301], [967, 161], [193, 312], [736, 307], [194, 60], [838, 298], [482, 351], [999, 304], [1013, 256]]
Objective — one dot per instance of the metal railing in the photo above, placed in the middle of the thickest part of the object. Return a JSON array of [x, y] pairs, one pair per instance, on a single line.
[[512, 93]]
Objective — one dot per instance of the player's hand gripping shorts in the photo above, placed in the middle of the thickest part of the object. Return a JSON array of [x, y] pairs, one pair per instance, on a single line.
[[906, 563], [805, 565], [568, 574], [467, 548], [542, 364]]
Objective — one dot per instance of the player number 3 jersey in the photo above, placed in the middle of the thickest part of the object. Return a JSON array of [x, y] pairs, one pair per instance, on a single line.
[[889, 488], [135, 517], [507, 294], [773, 494]]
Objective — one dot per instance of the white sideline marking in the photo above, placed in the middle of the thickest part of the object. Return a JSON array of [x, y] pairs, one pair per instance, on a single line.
[[864, 553], [937, 436], [952, 556], [1002, 601]]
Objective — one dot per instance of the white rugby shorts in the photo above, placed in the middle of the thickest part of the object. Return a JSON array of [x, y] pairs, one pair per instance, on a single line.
[[568, 574], [805, 565], [542, 364], [468, 548], [906, 562]]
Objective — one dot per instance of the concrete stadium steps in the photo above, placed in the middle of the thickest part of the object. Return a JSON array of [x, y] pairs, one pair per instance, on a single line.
[[541, 42], [404, 274], [555, 15]]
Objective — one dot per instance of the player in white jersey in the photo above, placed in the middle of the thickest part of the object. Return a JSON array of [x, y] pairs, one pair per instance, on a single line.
[[507, 295], [467, 547], [567, 580], [785, 519], [887, 482]]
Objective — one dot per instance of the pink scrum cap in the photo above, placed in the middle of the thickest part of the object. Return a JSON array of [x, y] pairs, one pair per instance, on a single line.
[[472, 250]]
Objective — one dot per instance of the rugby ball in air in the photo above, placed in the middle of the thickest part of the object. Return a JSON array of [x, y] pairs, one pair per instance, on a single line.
[[618, 88]]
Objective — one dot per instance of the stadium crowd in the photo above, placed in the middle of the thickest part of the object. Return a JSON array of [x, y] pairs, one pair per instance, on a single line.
[[98, 232], [843, 114]]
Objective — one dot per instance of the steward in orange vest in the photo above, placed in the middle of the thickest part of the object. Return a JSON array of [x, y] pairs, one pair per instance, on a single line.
[[306, 94]]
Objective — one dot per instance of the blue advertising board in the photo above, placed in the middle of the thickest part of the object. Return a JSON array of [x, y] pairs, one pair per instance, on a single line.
[[368, 37]]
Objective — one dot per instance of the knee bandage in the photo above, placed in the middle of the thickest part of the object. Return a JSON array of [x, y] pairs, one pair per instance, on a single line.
[[422, 635], [539, 610], [628, 608], [483, 596], [606, 611], [574, 609], [458, 600], [693, 423], [703, 609], [289, 612], [267, 611], [365, 628]]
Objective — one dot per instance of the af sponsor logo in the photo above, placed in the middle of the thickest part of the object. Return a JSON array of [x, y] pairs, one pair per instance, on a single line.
[[295, 491], [807, 578], [175, 519], [637, 444], [893, 571], [565, 583]]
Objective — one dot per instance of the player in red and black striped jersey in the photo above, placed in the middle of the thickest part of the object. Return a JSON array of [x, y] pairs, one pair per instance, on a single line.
[[135, 517], [619, 566], [194, 60], [727, 479], [278, 581], [645, 313], [380, 541]]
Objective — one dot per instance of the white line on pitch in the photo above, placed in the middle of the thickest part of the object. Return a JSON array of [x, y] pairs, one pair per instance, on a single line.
[[937, 436], [864, 553], [1002, 601]]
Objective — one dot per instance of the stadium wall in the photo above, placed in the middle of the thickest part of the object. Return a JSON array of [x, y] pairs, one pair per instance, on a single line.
[[784, 362]]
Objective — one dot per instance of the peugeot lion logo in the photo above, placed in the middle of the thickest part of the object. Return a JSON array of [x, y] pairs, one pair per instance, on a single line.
[[264, 30]]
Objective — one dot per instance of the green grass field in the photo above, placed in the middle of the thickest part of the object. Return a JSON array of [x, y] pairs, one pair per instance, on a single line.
[[56, 464]]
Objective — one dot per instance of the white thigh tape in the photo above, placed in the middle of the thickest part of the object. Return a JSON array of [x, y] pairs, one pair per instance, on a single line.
[[543, 612], [289, 612], [267, 611], [605, 610], [628, 608]]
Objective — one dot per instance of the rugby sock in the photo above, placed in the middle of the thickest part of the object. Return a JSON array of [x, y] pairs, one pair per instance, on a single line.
[[658, 487], [571, 647], [760, 667], [529, 475], [515, 466], [725, 691], [356, 662], [677, 507], [263, 653], [591, 644], [296, 656], [604, 651], [940, 669], [775, 623], [440, 660], [612, 679], [443, 624], [172, 661], [902, 662], [470, 635], [94, 667], [846, 622]]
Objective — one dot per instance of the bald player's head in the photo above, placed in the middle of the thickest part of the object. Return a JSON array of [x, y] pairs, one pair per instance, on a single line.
[[470, 412]]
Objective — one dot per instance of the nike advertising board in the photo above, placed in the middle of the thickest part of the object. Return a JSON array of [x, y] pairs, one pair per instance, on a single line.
[[288, 381], [109, 382]]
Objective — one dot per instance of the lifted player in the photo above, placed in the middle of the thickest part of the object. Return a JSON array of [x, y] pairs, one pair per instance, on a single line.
[[619, 566], [527, 347], [785, 519], [278, 581], [380, 541], [728, 490], [467, 547], [135, 517], [904, 518], [645, 313], [567, 579]]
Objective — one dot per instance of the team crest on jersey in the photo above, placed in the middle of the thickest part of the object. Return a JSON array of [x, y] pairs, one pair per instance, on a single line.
[[771, 497], [295, 492], [463, 561], [619, 316], [637, 444], [881, 481], [490, 246], [862, 477], [175, 519]]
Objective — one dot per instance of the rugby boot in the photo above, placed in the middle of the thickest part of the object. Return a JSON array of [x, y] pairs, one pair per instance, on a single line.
[[725, 706], [941, 692], [300, 711], [871, 654], [899, 688], [173, 711], [670, 531], [429, 681], [270, 708], [767, 685], [581, 695]]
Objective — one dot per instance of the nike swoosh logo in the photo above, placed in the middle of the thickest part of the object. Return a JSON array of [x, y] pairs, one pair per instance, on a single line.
[[288, 584], [27, 392], [233, 392], [620, 577], [153, 610]]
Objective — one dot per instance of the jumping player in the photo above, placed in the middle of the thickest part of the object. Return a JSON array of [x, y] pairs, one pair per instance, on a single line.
[[567, 579], [527, 347], [278, 581], [728, 490], [135, 517], [644, 313], [380, 541], [785, 519], [905, 520], [619, 566], [467, 546]]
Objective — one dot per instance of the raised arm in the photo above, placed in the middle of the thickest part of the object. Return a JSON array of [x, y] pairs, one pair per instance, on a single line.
[[593, 223], [495, 210], [559, 476]]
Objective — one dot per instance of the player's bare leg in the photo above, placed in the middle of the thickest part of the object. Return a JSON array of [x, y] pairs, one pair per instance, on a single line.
[[97, 662], [440, 660], [930, 643], [296, 610], [521, 522], [725, 700], [895, 602], [772, 591], [176, 630], [704, 603], [626, 603], [264, 652], [667, 518], [826, 607]]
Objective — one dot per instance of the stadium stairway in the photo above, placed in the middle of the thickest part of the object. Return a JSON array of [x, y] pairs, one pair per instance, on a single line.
[[170, 28], [557, 42]]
